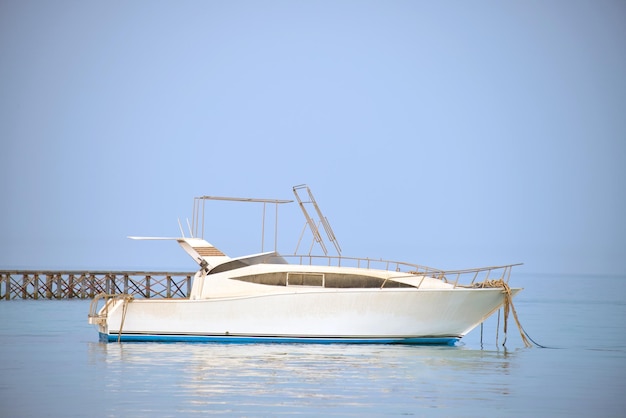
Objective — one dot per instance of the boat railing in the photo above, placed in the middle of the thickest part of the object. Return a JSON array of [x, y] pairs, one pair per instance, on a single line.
[[359, 262], [473, 277], [97, 316], [491, 276]]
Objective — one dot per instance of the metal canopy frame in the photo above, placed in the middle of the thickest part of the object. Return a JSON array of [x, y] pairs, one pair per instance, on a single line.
[[197, 227]]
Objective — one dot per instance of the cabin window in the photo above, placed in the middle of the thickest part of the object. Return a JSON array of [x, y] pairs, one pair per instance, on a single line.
[[305, 279], [329, 280]]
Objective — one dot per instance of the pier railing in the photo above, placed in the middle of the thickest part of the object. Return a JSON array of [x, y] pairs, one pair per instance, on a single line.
[[42, 284]]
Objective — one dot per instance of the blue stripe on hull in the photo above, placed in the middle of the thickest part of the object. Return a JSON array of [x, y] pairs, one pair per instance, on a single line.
[[291, 340]]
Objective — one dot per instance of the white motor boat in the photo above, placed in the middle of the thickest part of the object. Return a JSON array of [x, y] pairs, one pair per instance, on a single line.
[[268, 297]]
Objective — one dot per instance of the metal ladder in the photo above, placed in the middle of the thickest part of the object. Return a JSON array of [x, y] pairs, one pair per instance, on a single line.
[[312, 224]]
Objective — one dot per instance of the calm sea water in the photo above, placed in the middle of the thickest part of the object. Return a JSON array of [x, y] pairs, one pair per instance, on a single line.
[[51, 364]]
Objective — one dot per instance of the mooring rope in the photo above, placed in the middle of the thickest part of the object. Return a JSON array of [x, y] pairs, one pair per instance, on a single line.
[[507, 307], [127, 299], [498, 328]]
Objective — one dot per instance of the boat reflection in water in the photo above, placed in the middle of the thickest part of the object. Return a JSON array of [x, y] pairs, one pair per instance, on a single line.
[[285, 378]]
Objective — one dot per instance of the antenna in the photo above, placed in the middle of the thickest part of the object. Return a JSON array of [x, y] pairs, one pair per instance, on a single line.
[[189, 227]]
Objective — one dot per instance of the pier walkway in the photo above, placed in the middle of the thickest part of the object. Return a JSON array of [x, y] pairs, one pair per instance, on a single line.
[[52, 284]]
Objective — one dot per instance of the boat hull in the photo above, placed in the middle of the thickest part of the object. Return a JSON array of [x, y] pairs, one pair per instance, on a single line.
[[231, 339], [366, 316]]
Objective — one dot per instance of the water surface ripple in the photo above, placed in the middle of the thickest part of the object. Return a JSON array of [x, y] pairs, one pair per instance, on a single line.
[[53, 365]]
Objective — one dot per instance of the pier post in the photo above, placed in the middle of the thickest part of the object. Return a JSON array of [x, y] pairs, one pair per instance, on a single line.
[[92, 285], [60, 283], [48, 293], [116, 287], [148, 286], [70, 286], [83, 286], [50, 286], [25, 280], [6, 288], [35, 286]]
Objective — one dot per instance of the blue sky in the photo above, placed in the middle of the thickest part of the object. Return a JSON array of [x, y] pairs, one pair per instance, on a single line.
[[451, 134]]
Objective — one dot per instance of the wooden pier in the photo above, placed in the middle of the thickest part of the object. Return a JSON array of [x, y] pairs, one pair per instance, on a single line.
[[41, 284]]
